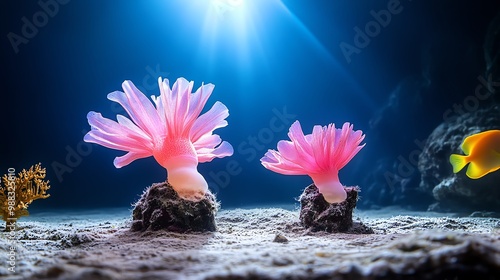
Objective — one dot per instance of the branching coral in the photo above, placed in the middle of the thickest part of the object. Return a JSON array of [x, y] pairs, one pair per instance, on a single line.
[[320, 155], [18, 192], [173, 132]]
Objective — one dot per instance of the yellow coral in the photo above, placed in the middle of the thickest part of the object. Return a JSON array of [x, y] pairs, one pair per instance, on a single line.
[[18, 192]]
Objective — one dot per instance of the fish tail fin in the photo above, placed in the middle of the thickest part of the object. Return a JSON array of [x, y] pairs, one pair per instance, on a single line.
[[475, 171], [458, 162]]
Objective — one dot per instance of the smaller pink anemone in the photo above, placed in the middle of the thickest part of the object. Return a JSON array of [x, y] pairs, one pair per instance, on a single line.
[[320, 155], [173, 132]]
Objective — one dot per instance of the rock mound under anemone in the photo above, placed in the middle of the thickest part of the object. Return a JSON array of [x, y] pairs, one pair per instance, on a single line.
[[161, 208]]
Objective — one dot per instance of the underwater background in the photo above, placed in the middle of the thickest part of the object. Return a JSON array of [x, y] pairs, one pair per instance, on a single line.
[[394, 69]]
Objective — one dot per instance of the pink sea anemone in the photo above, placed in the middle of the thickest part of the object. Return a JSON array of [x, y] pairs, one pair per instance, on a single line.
[[173, 132], [320, 155]]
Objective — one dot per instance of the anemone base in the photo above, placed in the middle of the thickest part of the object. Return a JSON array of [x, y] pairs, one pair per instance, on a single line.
[[161, 208], [317, 214]]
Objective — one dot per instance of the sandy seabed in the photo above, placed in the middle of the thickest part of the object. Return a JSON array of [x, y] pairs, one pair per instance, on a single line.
[[258, 243]]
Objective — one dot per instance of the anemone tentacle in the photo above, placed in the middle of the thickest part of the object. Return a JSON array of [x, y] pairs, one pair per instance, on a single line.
[[170, 129]]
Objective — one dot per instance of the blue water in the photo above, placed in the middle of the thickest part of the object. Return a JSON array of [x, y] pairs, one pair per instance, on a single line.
[[272, 62]]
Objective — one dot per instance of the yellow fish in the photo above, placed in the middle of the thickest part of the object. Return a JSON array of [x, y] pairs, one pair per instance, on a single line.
[[482, 151]]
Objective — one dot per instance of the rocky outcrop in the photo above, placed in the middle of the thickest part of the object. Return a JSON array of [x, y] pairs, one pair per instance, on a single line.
[[161, 208], [316, 214], [457, 192]]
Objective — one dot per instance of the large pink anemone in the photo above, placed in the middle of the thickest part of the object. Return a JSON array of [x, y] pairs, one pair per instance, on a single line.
[[320, 155], [173, 132]]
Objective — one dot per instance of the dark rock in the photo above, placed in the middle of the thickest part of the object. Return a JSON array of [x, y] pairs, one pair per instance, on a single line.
[[161, 208], [412, 110], [280, 238], [317, 214], [457, 192]]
